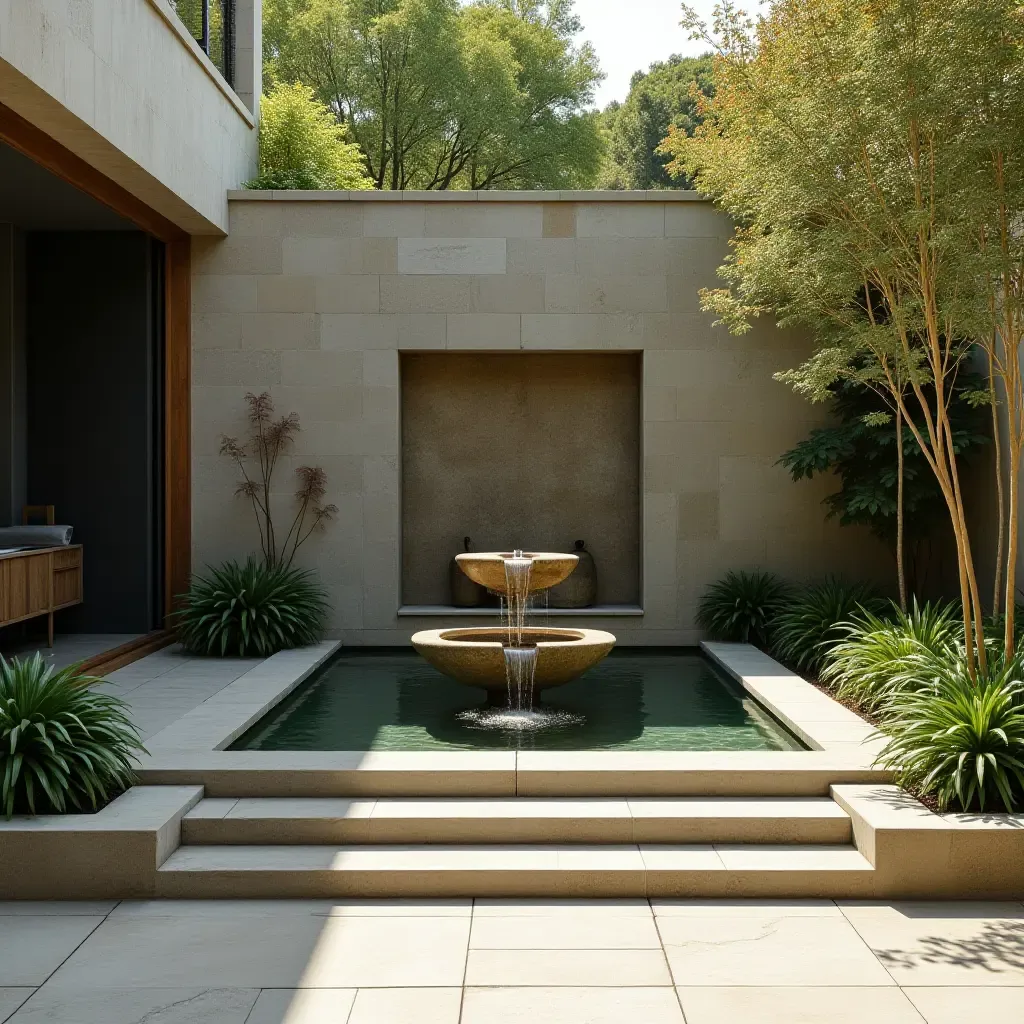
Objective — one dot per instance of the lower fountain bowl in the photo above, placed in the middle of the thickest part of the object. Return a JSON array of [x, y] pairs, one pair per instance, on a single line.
[[475, 656]]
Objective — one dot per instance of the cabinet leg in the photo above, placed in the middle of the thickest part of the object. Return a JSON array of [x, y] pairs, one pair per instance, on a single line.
[[49, 630]]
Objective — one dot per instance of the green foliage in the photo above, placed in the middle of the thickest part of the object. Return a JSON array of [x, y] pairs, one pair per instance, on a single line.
[[63, 745], [660, 99], [873, 658], [441, 95], [251, 609], [809, 626], [955, 738], [303, 146], [742, 607], [860, 448]]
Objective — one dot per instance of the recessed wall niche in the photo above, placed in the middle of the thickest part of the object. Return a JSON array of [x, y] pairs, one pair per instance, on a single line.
[[527, 450]]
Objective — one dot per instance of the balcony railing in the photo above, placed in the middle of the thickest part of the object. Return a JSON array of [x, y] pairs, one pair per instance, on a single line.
[[212, 24]]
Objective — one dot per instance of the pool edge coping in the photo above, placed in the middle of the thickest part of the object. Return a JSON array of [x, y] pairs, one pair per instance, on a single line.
[[197, 741]]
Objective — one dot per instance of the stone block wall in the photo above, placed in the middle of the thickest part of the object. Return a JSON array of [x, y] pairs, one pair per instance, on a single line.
[[313, 296]]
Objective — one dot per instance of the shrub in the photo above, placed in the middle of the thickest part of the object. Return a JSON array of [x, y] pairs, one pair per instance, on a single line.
[[742, 606], [957, 739], [301, 141], [62, 744], [806, 629], [875, 653], [251, 609]]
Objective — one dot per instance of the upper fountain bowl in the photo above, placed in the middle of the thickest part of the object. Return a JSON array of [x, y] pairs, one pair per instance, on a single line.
[[488, 568]]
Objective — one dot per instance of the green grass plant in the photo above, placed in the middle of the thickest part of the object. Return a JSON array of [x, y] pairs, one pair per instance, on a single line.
[[876, 653], [956, 739], [809, 626], [63, 744], [253, 609], [742, 607]]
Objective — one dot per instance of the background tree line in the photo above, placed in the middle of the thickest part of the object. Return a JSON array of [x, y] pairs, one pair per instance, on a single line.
[[436, 94]]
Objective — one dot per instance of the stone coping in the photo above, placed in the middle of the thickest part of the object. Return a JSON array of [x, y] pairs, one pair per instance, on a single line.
[[468, 196], [809, 713], [193, 749]]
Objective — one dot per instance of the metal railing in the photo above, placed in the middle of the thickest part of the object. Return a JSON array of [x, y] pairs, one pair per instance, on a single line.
[[212, 25]]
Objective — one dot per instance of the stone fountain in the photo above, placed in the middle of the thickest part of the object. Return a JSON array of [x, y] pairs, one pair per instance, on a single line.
[[515, 658]]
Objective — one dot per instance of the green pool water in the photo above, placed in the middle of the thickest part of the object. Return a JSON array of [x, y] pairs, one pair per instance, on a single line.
[[634, 700]]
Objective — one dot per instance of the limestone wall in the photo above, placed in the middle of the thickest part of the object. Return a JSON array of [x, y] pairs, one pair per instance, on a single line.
[[314, 297], [123, 86]]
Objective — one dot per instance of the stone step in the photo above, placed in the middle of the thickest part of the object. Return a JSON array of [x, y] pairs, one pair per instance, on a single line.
[[305, 821], [704, 871]]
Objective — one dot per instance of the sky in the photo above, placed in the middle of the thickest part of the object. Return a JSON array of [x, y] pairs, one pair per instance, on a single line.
[[629, 35]]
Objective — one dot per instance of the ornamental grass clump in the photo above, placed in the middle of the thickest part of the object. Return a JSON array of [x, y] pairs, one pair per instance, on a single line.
[[742, 607], [809, 626], [876, 654], [255, 609], [63, 745], [956, 739]]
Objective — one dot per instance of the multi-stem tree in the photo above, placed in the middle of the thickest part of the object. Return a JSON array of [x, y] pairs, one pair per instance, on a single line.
[[843, 139]]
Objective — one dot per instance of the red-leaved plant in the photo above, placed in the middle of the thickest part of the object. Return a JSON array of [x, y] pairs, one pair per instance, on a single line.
[[268, 439]]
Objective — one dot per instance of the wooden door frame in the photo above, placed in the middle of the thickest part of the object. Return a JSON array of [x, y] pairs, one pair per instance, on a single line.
[[59, 160]]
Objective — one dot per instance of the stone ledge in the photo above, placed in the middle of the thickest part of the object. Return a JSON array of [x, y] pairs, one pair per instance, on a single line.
[[809, 713], [918, 853], [467, 196], [113, 854]]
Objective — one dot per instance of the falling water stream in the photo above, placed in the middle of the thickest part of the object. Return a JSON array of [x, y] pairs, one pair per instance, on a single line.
[[520, 714]]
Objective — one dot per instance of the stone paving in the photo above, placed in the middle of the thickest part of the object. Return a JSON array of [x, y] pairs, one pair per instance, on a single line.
[[511, 962], [162, 687]]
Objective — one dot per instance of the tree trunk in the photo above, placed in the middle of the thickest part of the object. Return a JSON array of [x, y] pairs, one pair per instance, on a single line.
[[900, 566]]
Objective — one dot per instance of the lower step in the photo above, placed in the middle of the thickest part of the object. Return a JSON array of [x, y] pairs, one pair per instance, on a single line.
[[310, 872], [270, 821]]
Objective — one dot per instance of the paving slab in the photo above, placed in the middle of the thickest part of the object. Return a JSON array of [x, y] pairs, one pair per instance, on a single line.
[[132, 1006], [768, 950], [558, 967], [591, 908], [405, 1006], [11, 999], [56, 908], [744, 908], [929, 944], [32, 948], [302, 1006], [583, 1005], [806, 1005], [967, 1005], [564, 932], [289, 950]]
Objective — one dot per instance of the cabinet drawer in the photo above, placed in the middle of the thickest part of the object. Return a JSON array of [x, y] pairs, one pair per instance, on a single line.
[[68, 559]]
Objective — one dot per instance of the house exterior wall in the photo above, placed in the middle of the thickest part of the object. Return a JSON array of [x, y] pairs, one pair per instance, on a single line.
[[313, 296], [122, 85]]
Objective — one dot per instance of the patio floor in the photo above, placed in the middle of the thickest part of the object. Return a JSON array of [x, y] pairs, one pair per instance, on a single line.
[[498, 962]]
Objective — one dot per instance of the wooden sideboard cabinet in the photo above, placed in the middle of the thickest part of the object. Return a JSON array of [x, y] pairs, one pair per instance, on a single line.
[[39, 581]]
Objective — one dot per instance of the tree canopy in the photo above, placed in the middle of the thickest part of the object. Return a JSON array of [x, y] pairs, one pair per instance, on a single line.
[[303, 146], [661, 99], [871, 152], [439, 95]]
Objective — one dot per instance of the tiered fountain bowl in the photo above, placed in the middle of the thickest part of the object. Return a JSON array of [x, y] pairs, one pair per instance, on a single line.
[[475, 656]]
